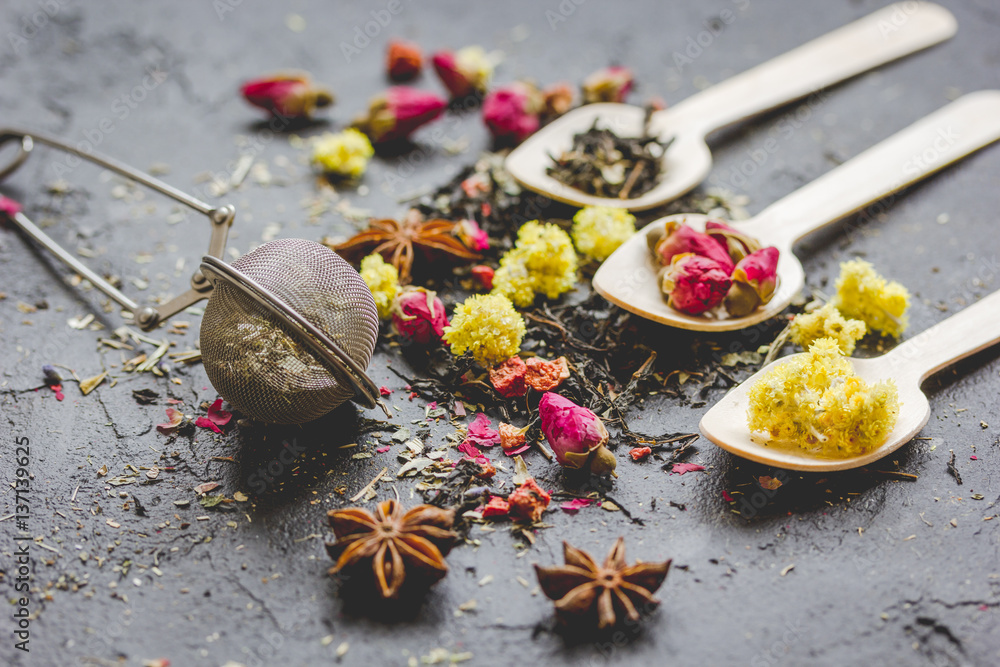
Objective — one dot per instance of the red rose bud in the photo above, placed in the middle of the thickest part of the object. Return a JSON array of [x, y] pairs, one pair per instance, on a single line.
[[736, 244], [464, 72], [398, 112], [695, 284], [418, 315], [511, 112], [471, 235], [291, 95], [557, 100], [680, 239], [403, 60], [484, 274], [610, 84], [754, 281], [576, 434]]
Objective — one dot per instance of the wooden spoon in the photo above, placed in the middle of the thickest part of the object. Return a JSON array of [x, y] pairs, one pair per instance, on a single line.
[[879, 38], [629, 277], [974, 329]]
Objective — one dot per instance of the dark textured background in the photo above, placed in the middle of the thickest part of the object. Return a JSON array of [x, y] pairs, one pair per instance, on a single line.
[[886, 571]]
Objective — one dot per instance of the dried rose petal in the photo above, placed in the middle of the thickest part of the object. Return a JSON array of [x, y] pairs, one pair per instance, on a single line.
[[736, 244], [497, 506], [291, 95], [529, 500], [472, 452], [576, 434], [398, 112], [511, 112], [575, 505], [639, 453], [217, 415], [403, 60], [418, 315], [482, 433], [681, 468], [609, 84], [754, 281], [508, 378], [695, 284], [174, 417], [679, 239]]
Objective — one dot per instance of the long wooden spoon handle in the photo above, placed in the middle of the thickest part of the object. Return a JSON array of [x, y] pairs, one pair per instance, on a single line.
[[945, 136], [973, 329], [879, 38]]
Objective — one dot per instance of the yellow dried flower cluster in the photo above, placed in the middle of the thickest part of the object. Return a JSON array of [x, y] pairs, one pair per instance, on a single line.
[[827, 322], [862, 294], [542, 261], [346, 153], [816, 402], [383, 280], [488, 326], [599, 230]]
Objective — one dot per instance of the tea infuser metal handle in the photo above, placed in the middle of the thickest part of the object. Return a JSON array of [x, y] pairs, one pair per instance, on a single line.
[[146, 317]]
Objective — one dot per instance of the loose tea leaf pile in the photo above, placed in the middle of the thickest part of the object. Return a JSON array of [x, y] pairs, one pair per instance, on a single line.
[[604, 164]]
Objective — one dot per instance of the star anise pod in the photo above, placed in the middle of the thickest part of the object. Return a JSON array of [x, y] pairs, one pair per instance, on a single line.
[[397, 240], [584, 590], [393, 540]]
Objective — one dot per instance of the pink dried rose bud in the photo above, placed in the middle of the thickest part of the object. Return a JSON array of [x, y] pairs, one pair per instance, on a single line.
[[290, 94], [471, 235], [464, 72], [679, 238], [529, 500], [754, 281], [511, 112], [419, 316], [609, 84], [398, 112], [695, 284], [544, 375], [737, 244], [557, 99], [576, 434], [508, 378], [403, 60]]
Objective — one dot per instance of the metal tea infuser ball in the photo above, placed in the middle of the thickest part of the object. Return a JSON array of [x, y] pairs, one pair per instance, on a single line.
[[289, 328]]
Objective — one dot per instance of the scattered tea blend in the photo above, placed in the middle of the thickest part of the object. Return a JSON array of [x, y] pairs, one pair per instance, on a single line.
[[602, 163]]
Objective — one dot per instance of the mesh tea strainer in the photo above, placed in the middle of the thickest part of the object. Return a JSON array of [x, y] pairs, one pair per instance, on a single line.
[[289, 328]]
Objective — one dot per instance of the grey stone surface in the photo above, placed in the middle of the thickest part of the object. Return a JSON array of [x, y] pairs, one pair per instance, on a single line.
[[885, 571]]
